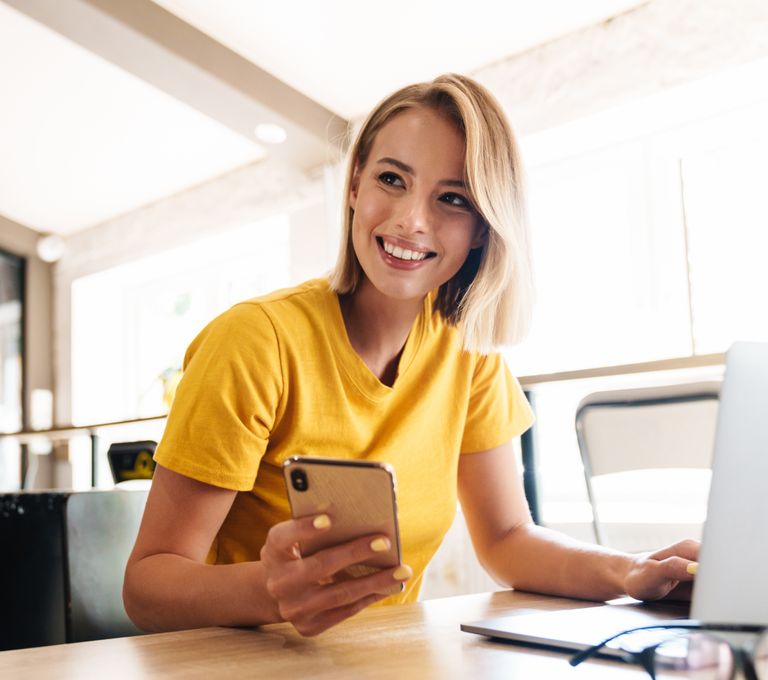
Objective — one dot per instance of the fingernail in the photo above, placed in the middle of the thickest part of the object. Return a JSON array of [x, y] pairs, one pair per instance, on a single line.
[[402, 573], [321, 522], [380, 545], [692, 568]]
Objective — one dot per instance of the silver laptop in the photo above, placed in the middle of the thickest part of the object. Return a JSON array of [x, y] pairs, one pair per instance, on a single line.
[[731, 585]]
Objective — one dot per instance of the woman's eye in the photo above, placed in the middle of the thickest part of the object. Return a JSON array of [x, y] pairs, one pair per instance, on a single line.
[[391, 178], [456, 200]]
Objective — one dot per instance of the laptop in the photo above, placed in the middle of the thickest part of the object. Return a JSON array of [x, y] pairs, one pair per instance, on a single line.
[[731, 584]]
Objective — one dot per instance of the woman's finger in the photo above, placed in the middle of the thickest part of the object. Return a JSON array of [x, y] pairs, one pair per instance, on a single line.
[[290, 579], [324, 564], [328, 618], [343, 593], [689, 549], [283, 537], [676, 568], [682, 592]]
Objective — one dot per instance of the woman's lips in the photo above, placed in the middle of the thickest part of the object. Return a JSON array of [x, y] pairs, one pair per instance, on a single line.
[[393, 260]]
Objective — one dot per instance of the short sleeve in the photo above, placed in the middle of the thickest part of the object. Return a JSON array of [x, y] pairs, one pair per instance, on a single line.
[[498, 410], [226, 403]]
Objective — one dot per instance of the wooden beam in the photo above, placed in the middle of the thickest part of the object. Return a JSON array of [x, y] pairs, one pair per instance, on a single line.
[[155, 45]]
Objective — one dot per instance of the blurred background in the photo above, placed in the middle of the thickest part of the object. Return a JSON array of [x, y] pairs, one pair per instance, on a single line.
[[160, 161]]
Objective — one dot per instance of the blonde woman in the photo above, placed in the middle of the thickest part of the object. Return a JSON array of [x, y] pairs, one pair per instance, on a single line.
[[390, 359]]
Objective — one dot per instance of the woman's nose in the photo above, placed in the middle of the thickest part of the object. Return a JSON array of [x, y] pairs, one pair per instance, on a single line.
[[417, 214]]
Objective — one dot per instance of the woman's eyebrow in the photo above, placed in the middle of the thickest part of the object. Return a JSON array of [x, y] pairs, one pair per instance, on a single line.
[[398, 164], [407, 168]]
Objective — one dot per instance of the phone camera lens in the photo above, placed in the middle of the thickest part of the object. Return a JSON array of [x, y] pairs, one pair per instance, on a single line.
[[299, 480]]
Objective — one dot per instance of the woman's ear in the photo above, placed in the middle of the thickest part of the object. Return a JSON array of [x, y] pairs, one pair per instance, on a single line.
[[353, 187]]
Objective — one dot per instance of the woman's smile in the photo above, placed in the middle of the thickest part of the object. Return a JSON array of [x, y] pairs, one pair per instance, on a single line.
[[402, 254]]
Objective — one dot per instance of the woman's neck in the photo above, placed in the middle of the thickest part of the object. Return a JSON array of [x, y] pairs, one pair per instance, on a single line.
[[378, 327]]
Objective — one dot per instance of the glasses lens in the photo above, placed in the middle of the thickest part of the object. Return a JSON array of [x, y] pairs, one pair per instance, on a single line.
[[761, 657], [698, 656]]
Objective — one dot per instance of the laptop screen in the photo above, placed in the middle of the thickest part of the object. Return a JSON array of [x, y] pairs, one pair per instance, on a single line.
[[732, 582]]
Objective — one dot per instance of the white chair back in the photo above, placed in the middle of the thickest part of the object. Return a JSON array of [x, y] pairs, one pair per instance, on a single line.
[[649, 428]]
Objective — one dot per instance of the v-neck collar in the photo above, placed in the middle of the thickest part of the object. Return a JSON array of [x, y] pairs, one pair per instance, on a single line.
[[352, 363]]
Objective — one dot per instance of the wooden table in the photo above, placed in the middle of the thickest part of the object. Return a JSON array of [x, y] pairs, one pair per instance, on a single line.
[[419, 641]]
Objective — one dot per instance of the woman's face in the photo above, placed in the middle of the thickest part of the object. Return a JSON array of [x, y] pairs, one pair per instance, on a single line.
[[413, 223]]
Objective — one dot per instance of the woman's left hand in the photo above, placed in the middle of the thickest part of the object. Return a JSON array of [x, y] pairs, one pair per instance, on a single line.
[[664, 573]]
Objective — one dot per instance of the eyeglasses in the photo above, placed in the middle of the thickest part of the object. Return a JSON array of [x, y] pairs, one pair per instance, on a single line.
[[695, 651]]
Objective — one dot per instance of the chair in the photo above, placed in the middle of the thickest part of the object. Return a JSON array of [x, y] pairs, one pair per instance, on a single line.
[[64, 554], [645, 429], [101, 529]]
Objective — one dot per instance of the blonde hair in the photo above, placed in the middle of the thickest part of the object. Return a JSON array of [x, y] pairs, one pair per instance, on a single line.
[[490, 298]]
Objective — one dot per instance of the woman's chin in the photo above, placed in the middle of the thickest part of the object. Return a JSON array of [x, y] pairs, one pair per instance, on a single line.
[[398, 291]]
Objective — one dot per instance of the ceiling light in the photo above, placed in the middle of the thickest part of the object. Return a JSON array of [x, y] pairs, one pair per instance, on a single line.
[[51, 248], [269, 133]]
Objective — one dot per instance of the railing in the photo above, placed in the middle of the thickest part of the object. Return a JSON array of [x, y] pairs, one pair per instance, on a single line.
[[528, 382], [675, 364], [66, 432]]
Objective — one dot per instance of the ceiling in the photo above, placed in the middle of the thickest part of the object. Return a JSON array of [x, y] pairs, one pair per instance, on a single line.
[[348, 54], [111, 106]]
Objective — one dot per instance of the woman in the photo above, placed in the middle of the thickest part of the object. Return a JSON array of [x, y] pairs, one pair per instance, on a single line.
[[391, 360]]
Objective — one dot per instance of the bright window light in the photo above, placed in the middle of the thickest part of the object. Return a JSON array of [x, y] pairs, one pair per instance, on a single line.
[[648, 225], [132, 324]]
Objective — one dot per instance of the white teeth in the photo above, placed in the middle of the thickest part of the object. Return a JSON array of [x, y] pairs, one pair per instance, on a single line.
[[402, 253]]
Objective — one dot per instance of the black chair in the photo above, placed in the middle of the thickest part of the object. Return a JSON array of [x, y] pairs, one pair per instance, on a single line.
[[62, 563]]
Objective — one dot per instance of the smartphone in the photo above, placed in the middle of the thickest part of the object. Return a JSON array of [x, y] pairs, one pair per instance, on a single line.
[[358, 496]]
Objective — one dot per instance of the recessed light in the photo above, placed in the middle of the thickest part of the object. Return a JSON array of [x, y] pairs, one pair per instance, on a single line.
[[269, 133], [51, 248]]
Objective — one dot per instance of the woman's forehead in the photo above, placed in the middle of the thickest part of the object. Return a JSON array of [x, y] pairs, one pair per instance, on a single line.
[[421, 136]]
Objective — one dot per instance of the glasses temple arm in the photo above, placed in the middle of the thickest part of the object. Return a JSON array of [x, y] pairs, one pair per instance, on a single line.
[[586, 653]]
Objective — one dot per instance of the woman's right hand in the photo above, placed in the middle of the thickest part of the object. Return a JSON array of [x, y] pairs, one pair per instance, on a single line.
[[306, 589]]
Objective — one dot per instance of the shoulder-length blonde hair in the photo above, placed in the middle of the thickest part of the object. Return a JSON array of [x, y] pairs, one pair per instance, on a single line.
[[490, 299]]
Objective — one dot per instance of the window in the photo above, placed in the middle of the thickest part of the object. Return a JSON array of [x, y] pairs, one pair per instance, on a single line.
[[11, 361], [610, 275], [727, 220], [648, 227], [132, 324]]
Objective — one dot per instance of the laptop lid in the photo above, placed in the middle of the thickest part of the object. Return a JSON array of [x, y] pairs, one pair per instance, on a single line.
[[572, 630], [731, 584]]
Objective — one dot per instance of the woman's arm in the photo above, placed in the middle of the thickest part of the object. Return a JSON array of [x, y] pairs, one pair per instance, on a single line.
[[168, 586], [520, 554]]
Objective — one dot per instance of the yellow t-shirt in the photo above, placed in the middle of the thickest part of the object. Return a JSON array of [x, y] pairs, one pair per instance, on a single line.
[[276, 377]]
